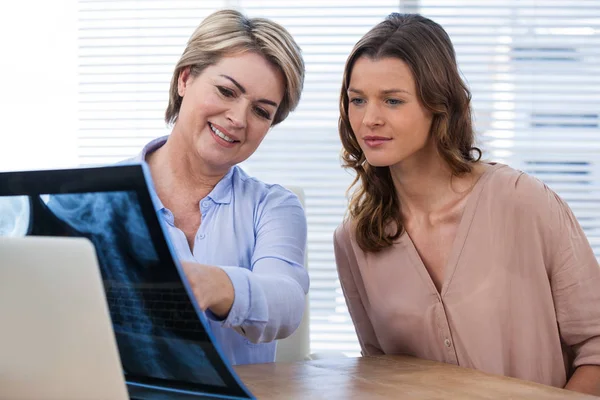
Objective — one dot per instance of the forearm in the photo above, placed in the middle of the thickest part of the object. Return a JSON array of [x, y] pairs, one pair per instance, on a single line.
[[224, 294], [266, 307], [212, 288], [262, 307], [585, 379]]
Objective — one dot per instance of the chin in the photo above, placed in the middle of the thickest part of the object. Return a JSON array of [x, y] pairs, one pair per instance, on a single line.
[[381, 161]]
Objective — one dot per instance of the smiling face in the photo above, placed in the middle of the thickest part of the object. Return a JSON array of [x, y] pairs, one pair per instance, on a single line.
[[227, 110], [386, 115]]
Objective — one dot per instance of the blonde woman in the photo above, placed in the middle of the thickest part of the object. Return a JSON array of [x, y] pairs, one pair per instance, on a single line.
[[242, 241], [443, 256]]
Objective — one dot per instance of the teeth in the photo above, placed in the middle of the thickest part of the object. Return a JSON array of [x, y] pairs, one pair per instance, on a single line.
[[221, 134]]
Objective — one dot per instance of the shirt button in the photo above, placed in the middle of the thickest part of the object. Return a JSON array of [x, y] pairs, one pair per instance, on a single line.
[[205, 205], [201, 236], [447, 342]]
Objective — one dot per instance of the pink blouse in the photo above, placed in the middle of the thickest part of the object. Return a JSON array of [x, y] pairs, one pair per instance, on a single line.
[[520, 296]]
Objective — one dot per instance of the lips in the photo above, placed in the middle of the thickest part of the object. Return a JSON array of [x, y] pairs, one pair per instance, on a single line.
[[375, 141], [222, 136]]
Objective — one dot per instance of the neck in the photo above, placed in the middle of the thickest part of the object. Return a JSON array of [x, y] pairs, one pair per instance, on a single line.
[[425, 185], [175, 170]]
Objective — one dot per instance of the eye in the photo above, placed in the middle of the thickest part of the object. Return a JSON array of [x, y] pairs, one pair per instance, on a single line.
[[394, 102], [226, 92], [261, 112], [357, 101]]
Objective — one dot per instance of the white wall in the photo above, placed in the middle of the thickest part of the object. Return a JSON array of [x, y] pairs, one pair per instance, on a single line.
[[38, 84]]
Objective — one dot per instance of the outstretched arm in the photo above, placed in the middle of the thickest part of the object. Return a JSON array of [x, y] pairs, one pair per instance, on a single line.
[[264, 302]]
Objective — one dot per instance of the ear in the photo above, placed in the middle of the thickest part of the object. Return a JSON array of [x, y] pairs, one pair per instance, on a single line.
[[182, 81]]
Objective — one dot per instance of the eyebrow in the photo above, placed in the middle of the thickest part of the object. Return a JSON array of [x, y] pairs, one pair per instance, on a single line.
[[387, 91], [243, 90]]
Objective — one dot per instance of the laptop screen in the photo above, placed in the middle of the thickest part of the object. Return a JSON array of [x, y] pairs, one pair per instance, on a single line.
[[162, 336]]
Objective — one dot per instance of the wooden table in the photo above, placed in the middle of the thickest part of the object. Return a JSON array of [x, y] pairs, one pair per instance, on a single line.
[[387, 377]]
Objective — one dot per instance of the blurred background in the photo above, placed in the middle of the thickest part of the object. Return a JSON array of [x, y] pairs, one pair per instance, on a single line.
[[85, 82]]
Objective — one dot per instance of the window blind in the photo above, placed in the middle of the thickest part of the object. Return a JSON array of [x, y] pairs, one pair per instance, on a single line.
[[532, 67]]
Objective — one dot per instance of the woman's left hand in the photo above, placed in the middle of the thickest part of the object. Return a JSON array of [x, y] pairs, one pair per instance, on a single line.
[[211, 287]]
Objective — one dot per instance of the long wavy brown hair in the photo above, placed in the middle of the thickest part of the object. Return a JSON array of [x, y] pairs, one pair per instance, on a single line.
[[427, 50]]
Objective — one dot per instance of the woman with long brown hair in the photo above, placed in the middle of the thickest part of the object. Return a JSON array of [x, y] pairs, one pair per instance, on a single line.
[[444, 256]]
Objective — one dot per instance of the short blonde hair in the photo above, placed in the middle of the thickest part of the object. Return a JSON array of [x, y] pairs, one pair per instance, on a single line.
[[229, 32]]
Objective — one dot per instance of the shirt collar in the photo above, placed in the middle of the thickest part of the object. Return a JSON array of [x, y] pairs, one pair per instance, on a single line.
[[154, 145], [141, 157], [221, 193]]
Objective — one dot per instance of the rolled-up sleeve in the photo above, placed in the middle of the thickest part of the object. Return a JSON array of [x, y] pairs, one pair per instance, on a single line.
[[575, 282], [269, 297]]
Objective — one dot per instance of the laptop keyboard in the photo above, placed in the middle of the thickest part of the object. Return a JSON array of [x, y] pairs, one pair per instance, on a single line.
[[144, 310]]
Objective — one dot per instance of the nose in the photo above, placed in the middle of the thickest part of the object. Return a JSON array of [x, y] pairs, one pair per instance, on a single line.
[[238, 114], [372, 117]]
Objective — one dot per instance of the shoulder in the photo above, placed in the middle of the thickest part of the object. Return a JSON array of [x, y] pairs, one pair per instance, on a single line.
[[507, 179], [262, 193], [150, 147], [343, 234], [344, 242], [344, 250], [525, 203], [517, 191], [129, 161]]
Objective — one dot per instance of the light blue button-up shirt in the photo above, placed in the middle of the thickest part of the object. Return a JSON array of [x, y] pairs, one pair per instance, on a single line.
[[256, 233]]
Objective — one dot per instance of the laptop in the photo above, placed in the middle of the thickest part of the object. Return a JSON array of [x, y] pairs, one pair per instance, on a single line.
[[165, 345], [57, 340]]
